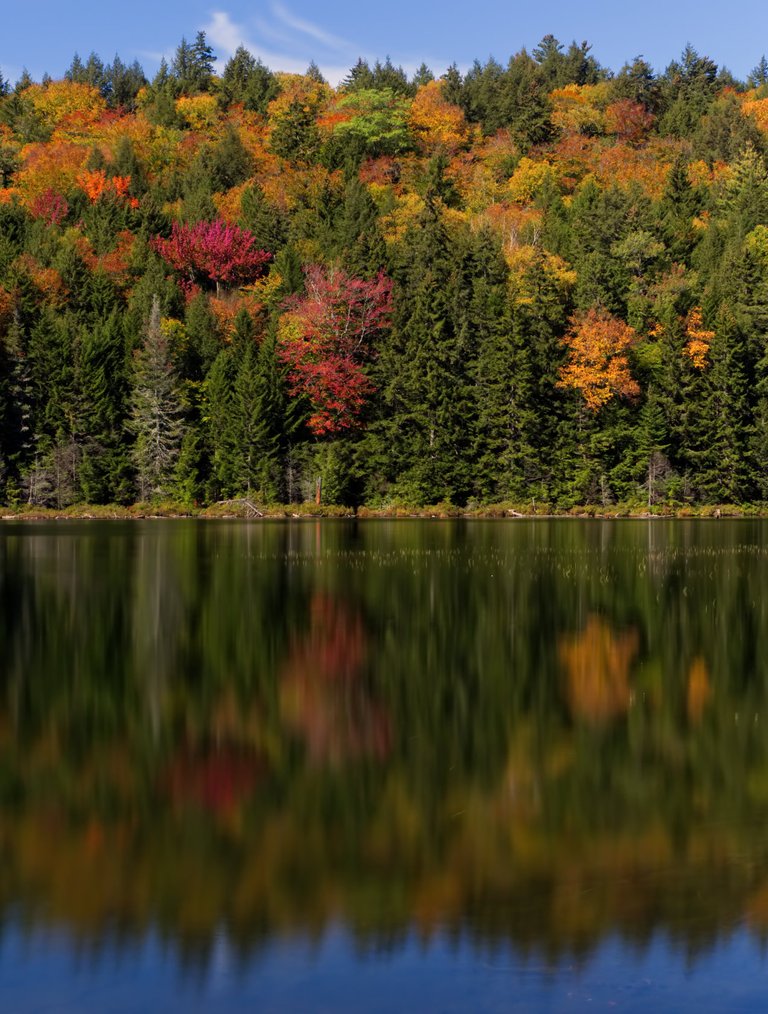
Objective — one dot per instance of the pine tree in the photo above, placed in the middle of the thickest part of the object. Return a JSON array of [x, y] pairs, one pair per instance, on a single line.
[[725, 466], [247, 80], [257, 416], [16, 408], [267, 223], [105, 467], [679, 205], [218, 417], [360, 245], [522, 413], [424, 435], [156, 411]]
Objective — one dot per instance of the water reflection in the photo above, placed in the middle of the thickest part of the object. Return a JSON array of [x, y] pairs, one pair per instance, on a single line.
[[536, 735], [597, 662], [323, 697]]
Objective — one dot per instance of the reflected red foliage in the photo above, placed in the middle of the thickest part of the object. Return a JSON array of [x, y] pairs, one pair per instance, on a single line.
[[322, 696], [215, 781]]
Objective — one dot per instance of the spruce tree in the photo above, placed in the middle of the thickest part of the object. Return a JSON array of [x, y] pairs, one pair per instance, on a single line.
[[423, 375], [156, 411]]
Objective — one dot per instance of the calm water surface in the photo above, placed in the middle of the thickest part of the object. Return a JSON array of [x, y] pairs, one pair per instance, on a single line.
[[385, 766]]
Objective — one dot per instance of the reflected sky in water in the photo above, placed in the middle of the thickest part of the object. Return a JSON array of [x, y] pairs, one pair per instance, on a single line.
[[333, 974]]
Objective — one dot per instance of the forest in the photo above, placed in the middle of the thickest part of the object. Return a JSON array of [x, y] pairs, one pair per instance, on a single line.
[[539, 282]]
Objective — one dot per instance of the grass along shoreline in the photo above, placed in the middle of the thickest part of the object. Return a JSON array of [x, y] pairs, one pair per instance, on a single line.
[[249, 510]]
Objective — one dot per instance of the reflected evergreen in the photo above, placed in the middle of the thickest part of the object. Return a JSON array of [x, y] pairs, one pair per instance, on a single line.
[[539, 734]]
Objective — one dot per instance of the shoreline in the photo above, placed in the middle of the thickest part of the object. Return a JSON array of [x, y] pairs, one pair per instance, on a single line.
[[247, 511]]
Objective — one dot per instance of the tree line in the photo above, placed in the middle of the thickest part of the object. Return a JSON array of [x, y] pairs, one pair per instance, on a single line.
[[535, 281]]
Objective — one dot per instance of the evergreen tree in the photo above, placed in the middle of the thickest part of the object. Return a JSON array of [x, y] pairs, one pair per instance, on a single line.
[[360, 245], [423, 374], [192, 65], [257, 417], [267, 223], [105, 468], [156, 411], [246, 80], [522, 413], [228, 163]]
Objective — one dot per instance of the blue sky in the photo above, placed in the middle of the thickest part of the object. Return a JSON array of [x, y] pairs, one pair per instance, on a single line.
[[42, 35]]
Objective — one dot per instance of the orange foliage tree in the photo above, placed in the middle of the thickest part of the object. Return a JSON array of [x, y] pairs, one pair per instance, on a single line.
[[45, 167], [629, 120], [436, 123], [96, 184], [699, 339], [597, 358]]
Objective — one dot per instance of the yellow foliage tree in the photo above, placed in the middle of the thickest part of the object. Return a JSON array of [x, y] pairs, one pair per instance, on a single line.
[[527, 179], [201, 112], [59, 100], [699, 339]]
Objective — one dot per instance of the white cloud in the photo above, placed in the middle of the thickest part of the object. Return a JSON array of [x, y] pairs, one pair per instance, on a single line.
[[298, 42], [284, 41], [307, 28]]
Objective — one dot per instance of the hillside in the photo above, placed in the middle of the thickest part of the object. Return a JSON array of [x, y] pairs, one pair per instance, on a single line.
[[545, 281]]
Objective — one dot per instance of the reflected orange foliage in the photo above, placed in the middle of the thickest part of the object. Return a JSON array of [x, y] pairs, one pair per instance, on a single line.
[[699, 689], [757, 908], [597, 663]]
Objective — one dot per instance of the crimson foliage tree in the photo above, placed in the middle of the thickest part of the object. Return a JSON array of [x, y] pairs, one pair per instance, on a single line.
[[326, 337], [215, 252]]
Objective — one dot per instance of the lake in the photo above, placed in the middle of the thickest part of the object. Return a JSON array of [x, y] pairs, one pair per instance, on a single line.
[[384, 766]]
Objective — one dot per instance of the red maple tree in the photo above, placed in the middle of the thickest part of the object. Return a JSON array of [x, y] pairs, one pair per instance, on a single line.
[[213, 252], [325, 339]]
